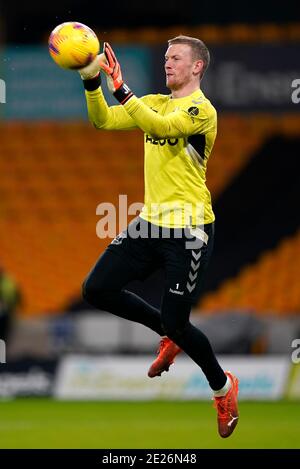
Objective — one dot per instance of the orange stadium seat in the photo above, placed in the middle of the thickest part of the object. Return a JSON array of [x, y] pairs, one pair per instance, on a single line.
[[262, 287], [212, 34]]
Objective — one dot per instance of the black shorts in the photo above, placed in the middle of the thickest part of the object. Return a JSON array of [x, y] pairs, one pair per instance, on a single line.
[[183, 254]]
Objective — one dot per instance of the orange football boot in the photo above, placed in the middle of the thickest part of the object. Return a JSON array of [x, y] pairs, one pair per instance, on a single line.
[[167, 352], [227, 408]]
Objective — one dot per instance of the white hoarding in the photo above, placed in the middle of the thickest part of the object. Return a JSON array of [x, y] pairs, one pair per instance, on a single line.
[[121, 377]]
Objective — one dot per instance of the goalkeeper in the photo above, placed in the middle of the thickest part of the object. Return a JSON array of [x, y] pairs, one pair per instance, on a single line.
[[176, 225]]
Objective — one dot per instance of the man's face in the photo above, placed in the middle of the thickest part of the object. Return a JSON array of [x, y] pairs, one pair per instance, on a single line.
[[180, 67]]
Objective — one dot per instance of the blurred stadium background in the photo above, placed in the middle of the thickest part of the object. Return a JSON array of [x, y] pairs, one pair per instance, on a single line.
[[55, 169]]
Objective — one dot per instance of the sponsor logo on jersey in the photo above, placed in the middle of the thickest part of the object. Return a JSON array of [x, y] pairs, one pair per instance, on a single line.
[[161, 142]]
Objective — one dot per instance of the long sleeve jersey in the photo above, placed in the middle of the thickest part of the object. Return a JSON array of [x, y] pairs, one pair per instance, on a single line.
[[179, 134]]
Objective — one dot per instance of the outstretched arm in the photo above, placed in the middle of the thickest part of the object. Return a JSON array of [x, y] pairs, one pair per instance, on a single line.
[[100, 114], [177, 124], [107, 117]]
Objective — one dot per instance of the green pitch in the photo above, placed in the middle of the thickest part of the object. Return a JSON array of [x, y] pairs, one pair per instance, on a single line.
[[42, 423]]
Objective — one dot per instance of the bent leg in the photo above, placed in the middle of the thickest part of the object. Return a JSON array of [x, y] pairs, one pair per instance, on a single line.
[[104, 289]]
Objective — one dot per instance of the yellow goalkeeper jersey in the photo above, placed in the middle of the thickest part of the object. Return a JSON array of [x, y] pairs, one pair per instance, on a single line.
[[178, 138]]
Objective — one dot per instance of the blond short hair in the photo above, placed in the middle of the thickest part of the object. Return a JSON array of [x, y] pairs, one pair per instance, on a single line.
[[198, 48]]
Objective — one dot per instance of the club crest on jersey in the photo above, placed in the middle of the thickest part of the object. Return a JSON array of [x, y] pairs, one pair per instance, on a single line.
[[193, 111]]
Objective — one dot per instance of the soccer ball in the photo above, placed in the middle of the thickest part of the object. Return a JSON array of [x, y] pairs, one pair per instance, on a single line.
[[73, 45]]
